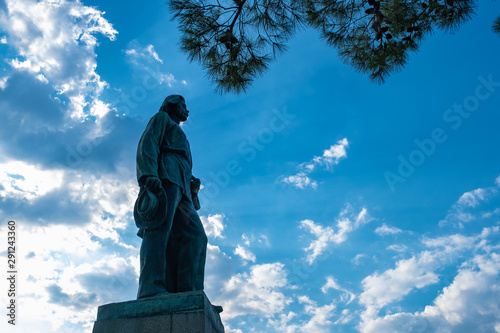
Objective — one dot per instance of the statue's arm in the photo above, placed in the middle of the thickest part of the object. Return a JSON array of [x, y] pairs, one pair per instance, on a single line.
[[195, 185], [195, 188], [148, 149]]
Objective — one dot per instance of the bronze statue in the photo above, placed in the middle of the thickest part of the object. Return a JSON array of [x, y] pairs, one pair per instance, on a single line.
[[174, 243]]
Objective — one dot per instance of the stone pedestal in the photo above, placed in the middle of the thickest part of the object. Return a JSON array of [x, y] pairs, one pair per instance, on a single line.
[[189, 312]]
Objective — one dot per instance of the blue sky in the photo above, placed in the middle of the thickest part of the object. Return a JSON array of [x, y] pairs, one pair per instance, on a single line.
[[332, 204]]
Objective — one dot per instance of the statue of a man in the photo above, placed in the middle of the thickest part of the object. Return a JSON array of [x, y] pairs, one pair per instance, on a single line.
[[174, 243]]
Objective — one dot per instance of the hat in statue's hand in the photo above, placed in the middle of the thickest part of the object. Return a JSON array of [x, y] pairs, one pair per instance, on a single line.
[[150, 208]]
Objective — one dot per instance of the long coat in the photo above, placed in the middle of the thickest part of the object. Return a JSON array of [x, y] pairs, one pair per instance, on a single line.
[[164, 152]]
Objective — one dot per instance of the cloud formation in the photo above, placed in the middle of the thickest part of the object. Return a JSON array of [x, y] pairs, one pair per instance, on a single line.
[[258, 292], [451, 309], [345, 224], [330, 157], [245, 253], [385, 230], [140, 52], [468, 304], [52, 90], [346, 296], [300, 180], [55, 42], [465, 209], [73, 288], [321, 316], [214, 225], [147, 61]]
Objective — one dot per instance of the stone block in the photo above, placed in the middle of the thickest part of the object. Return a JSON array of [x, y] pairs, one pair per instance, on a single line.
[[189, 312]]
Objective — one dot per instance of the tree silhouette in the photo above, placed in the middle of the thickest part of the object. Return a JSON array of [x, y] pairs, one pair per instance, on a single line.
[[496, 26], [235, 40]]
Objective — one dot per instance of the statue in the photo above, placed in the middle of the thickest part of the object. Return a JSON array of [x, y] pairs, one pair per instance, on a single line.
[[174, 243]]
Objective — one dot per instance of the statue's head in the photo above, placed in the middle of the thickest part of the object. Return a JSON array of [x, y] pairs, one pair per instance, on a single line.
[[175, 106]]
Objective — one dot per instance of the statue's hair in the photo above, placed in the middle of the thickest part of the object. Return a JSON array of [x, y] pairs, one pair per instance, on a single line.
[[170, 101]]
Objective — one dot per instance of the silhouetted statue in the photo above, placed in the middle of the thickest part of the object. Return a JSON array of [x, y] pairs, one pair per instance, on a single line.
[[174, 243]]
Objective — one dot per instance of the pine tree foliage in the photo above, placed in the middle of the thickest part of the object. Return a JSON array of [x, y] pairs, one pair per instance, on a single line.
[[235, 40], [375, 37], [496, 26]]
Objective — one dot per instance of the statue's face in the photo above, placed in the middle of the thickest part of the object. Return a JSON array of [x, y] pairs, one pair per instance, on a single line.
[[181, 112]]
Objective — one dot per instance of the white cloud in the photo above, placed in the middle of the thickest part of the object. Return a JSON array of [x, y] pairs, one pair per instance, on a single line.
[[245, 254], [3, 40], [417, 272], [304, 299], [473, 198], [3, 82], [465, 209], [346, 295], [214, 225], [282, 324], [151, 50], [344, 226], [103, 203], [387, 230], [358, 258], [345, 318], [495, 211], [330, 284], [451, 243], [25, 181], [252, 239], [146, 59], [327, 235], [60, 239], [454, 303], [333, 155], [468, 304], [229, 329], [393, 284], [53, 256], [300, 180], [55, 271], [40, 77], [320, 320], [136, 51], [98, 108], [111, 202], [256, 292], [397, 248], [324, 237], [330, 157], [56, 41], [218, 270]]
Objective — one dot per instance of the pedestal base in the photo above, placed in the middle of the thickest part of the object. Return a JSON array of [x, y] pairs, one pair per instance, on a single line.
[[175, 313]]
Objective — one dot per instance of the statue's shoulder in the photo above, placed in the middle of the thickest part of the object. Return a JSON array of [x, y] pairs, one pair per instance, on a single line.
[[162, 119], [161, 116]]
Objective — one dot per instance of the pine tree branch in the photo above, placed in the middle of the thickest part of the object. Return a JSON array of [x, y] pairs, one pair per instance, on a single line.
[[496, 26], [240, 3], [235, 40]]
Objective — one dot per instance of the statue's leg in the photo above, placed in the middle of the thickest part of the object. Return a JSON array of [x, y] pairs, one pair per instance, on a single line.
[[172, 258], [188, 230], [152, 262], [153, 274]]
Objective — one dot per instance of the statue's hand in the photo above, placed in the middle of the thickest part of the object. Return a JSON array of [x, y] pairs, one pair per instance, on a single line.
[[195, 185], [153, 184]]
